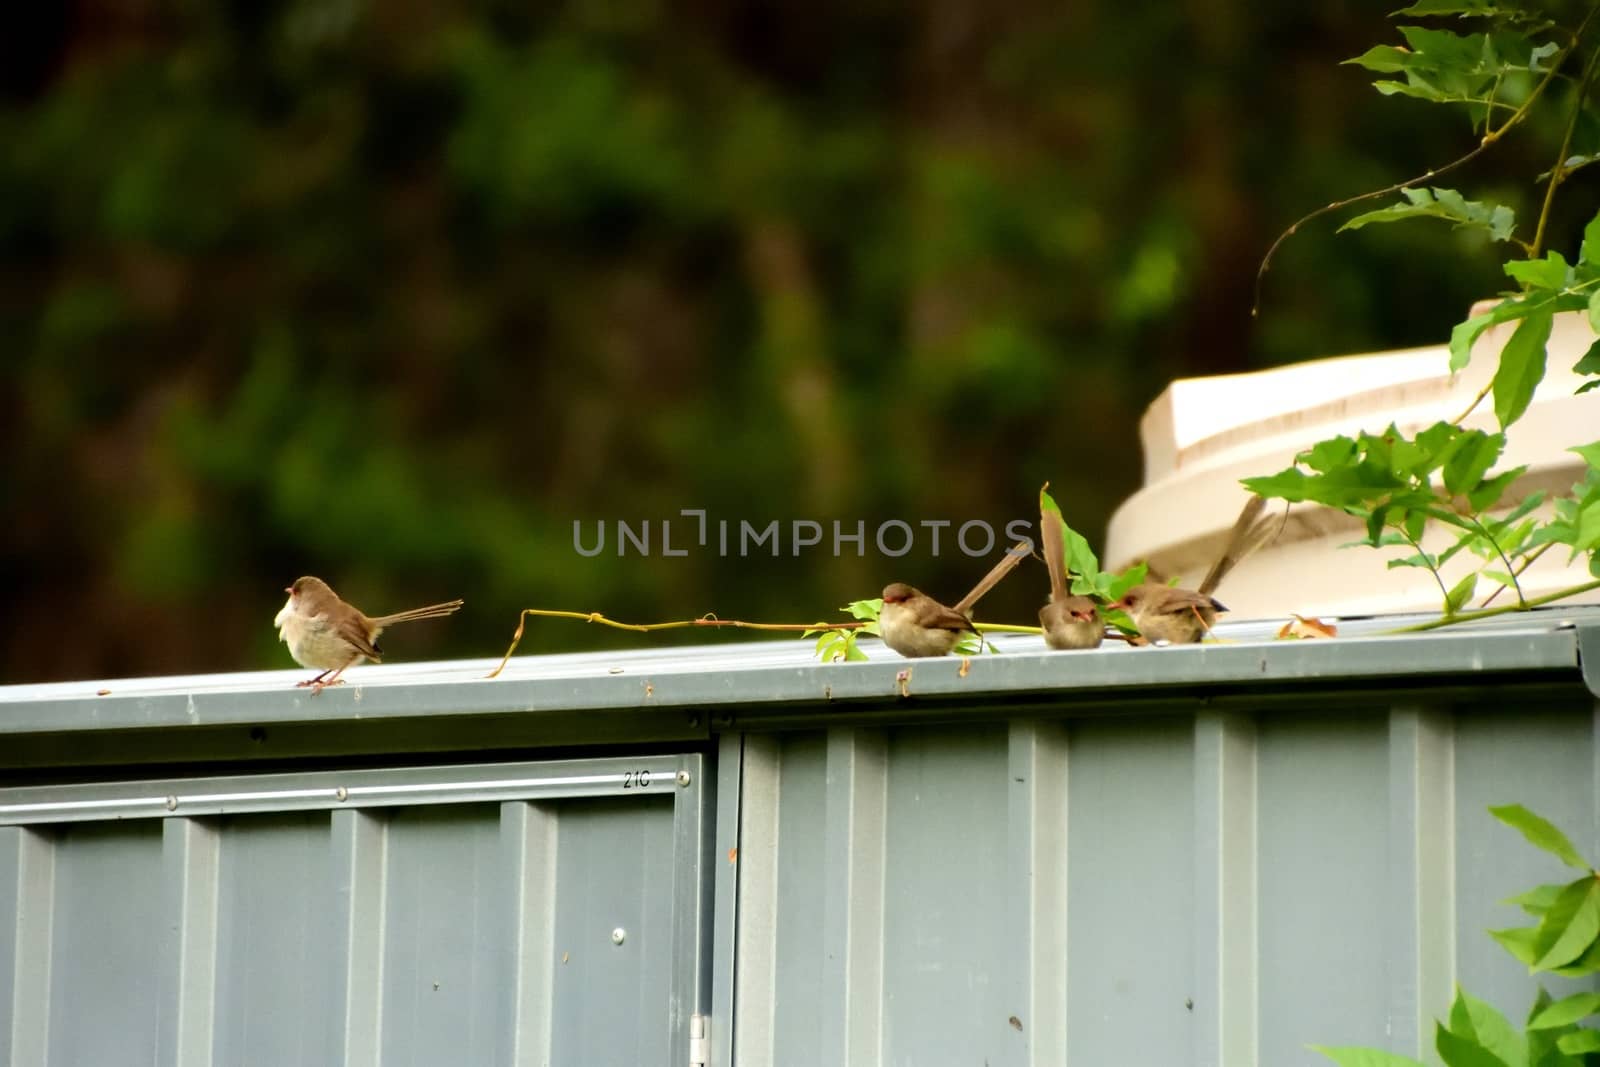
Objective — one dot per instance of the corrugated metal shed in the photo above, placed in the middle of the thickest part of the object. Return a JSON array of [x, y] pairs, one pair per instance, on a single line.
[[1208, 855]]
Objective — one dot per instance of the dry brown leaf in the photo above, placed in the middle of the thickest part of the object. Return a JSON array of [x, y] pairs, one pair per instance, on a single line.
[[1299, 627]]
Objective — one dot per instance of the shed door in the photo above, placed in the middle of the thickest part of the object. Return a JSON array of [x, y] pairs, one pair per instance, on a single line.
[[528, 913]]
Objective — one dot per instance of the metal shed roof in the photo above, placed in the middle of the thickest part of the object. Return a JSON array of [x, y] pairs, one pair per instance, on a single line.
[[748, 676]]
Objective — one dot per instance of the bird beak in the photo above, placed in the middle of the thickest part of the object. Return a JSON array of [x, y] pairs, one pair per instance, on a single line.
[[289, 589]]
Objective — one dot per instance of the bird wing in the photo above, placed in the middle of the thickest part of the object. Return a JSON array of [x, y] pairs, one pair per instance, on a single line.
[[352, 630], [939, 617], [1179, 601]]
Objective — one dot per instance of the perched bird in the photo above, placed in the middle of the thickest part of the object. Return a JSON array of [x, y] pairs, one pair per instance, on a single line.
[[1069, 621], [1167, 613], [324, 632], [1184, 616], [915, 625]]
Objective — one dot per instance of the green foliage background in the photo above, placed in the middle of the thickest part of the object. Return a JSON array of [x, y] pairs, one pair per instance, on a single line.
[[394, 293]]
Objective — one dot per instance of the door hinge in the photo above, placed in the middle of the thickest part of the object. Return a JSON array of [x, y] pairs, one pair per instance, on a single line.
[[699, 1043]]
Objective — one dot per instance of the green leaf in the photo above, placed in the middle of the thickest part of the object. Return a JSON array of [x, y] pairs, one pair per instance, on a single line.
[[1466, 334], [1415, 522], [1579, 1042], [1458, 1051], [1460, 594], [836, 645], [1048, 503], [1472, 457], [1590, 453], [1383, 58], [1463, 8], [1542, 1051], [1551, 272], [1540, 1003], [1488, 493], [1529, 502], [1564, 1012], [1290, 484], [864, 609], [1589, 252], [1520, 941], [1590, 363], [1468, 539], [830, 647], [1328, 455], [1521, 367], [1584, 965], [1127, 580], [1594, 323], [1571, 924], [1388, 540], [1497, 220], [1118, 618], [1417, 88], [1353, 1056], [1483, 1025], [1081, 560], [1536, 901], [1540, 833], [1375, 521], [1587, 536], [1568, 165]]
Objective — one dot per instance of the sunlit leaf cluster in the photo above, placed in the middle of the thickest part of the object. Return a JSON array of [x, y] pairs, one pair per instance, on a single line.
[[1398, 485], [1564, 941], [1518, 59]]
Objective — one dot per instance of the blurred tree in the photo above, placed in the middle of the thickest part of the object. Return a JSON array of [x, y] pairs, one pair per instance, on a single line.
[[394, 293]]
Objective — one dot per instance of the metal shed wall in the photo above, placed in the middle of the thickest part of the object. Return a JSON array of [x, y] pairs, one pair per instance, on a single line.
[[1178, 889], [1207, 856]]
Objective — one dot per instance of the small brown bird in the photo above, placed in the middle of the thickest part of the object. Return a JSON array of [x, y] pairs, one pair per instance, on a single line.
[[1167, 613], [1070, 622], [1184, 616], [915, 625], [324, 632]]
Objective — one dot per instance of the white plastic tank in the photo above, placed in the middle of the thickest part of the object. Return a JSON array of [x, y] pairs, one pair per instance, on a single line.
[[1202, 435]]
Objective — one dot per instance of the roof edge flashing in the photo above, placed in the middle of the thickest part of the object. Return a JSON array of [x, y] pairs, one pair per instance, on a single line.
[[1589, 656]]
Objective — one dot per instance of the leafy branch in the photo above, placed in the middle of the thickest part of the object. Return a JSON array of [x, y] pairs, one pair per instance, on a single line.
[[705, 621], [1452, 68], [1399, 485], [1564, 941]]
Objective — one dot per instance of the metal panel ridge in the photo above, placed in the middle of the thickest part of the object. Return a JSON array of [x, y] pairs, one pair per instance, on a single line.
[[755, 674]]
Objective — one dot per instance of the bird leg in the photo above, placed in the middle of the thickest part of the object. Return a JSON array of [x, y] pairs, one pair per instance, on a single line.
[[317, 681], [333, 679]]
